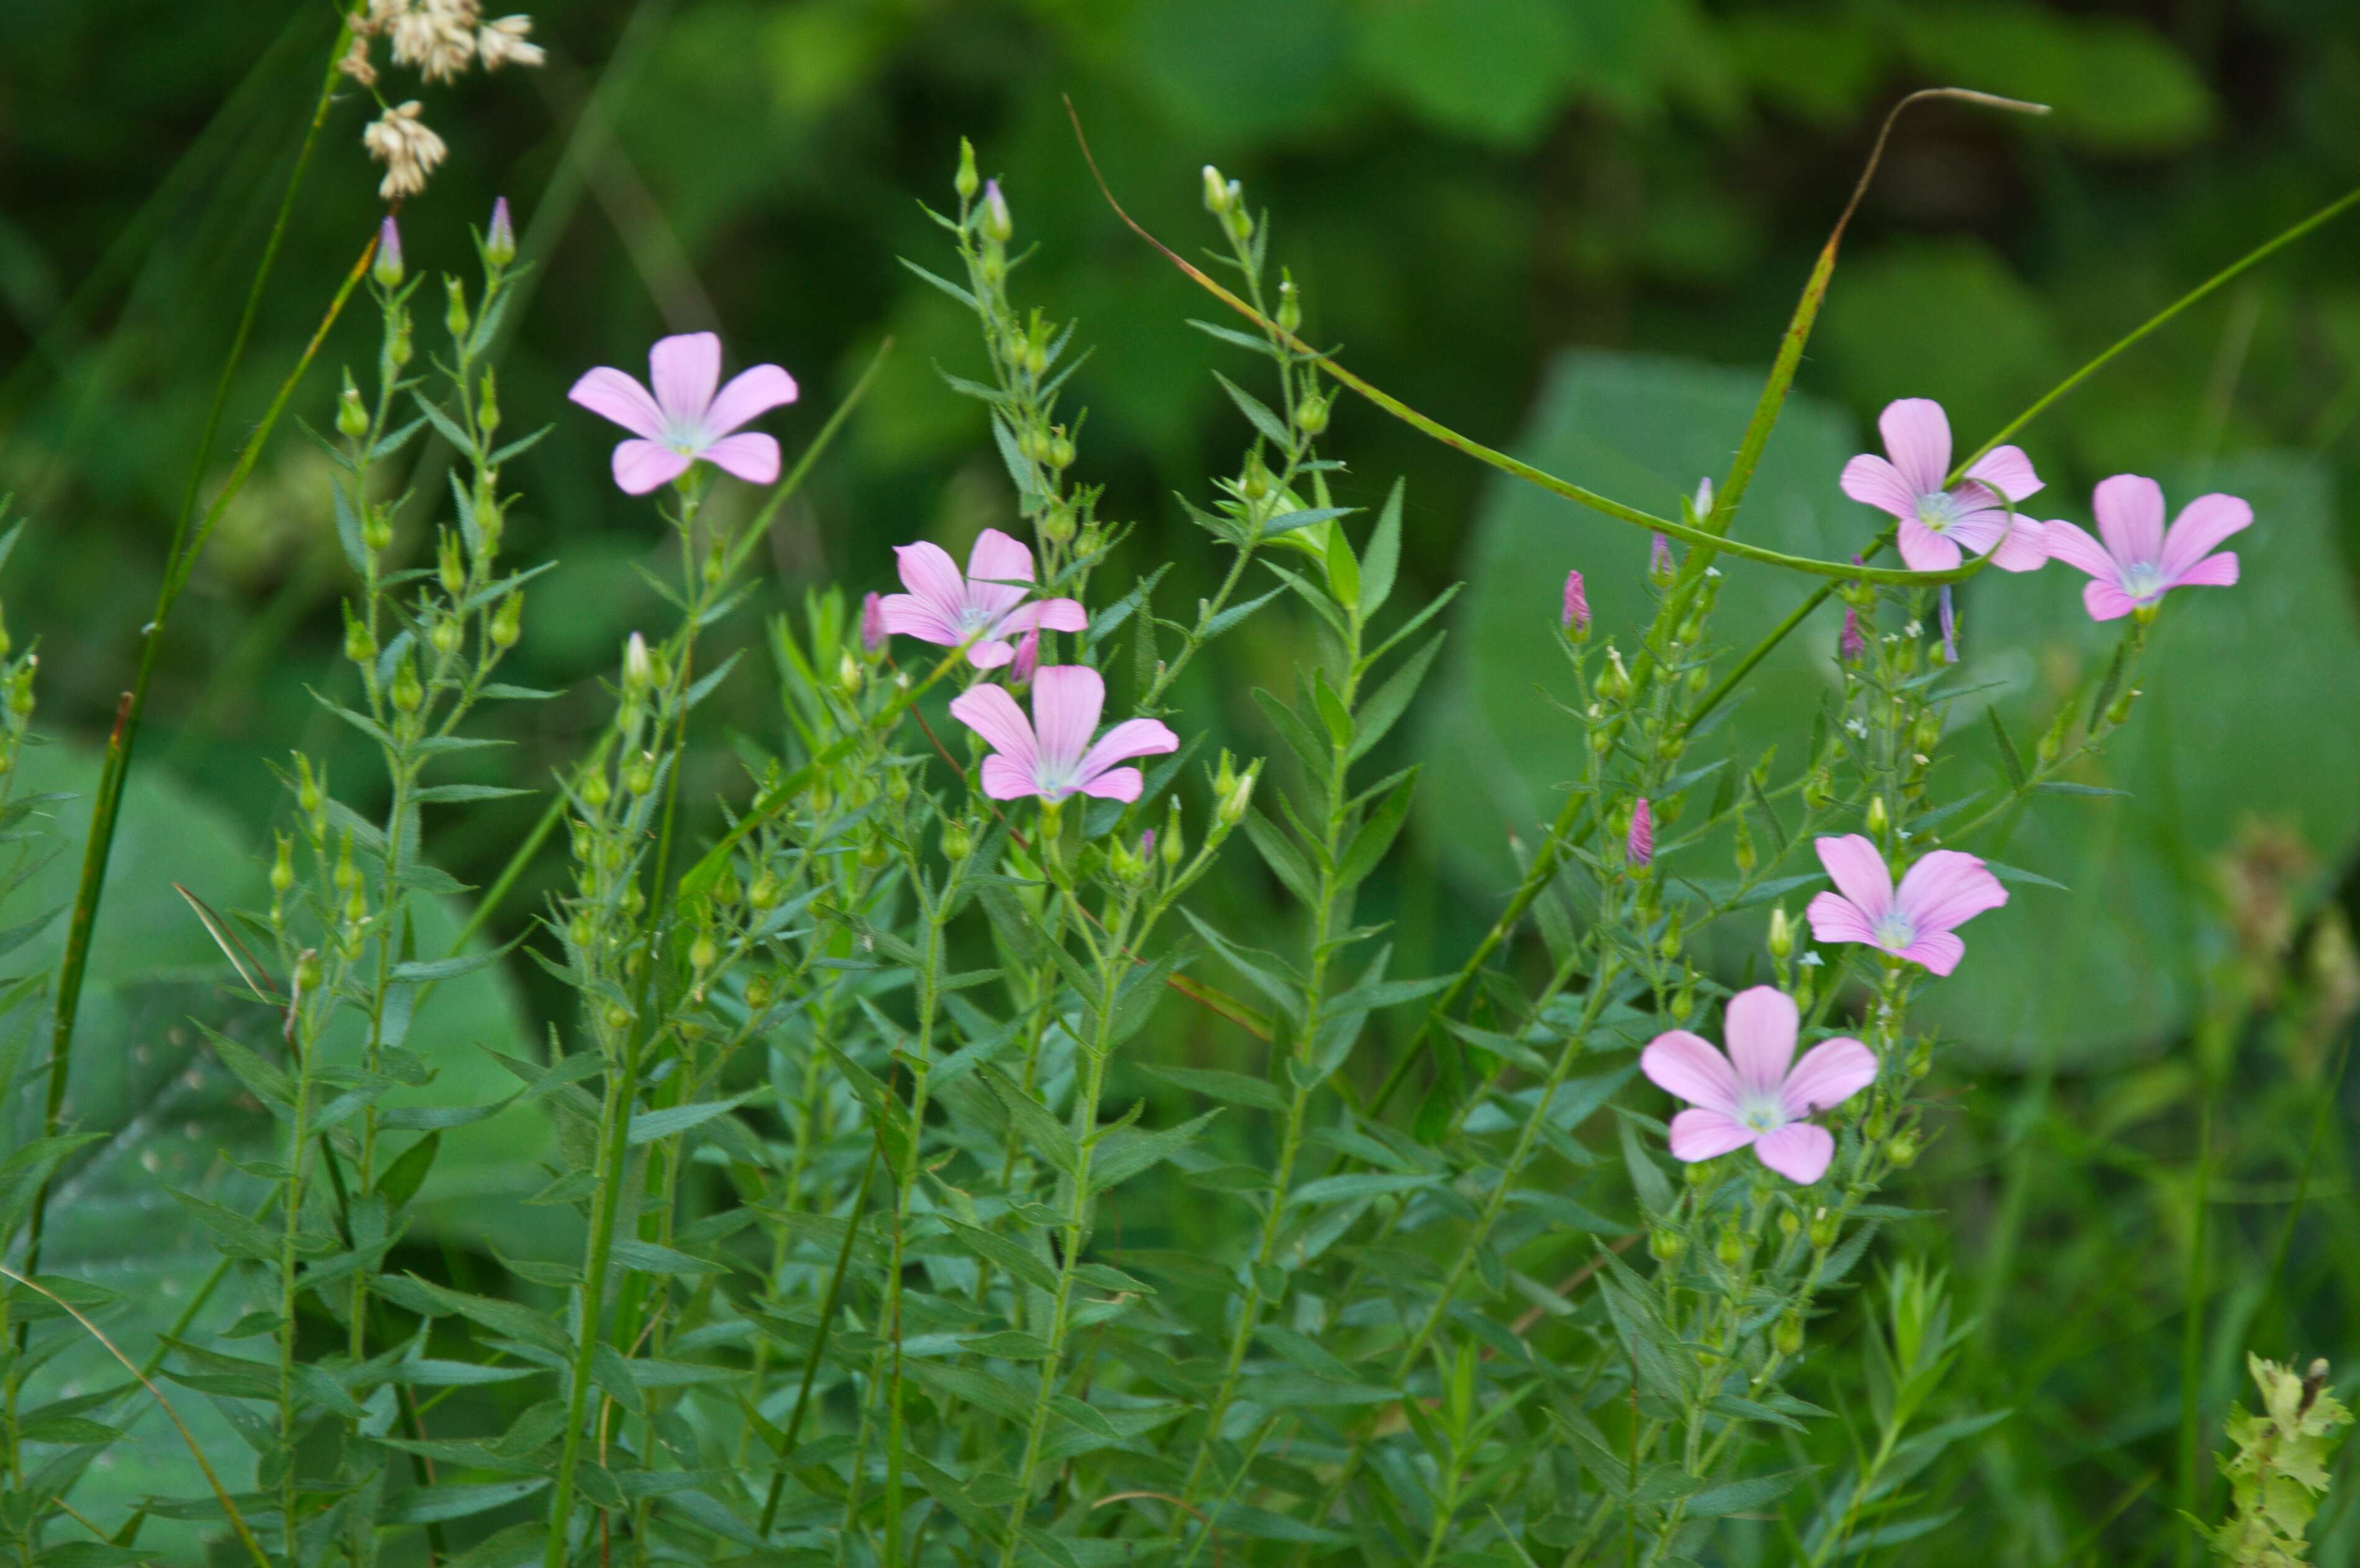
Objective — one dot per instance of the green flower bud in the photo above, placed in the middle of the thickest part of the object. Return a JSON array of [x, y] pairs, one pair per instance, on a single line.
[[455, 311], [639, 669], [1878, 820], [1730, 1248], [307, 971], [448, 636], [1743, 850], [1788, 1337], [1170, 846], [1781, 934], [386, 266], [702, 953], [999, 224], [282, 864], [1818, 789], [2119, 711], [1219, 195], [1311, 414], [2052, 740], [1665, 1245], [967, 182], [1232, 807], [376, 530], [593, 791], [617, 1017], [348, 874], [1825, 1228], [640, 775], [352, 417], [488, 403], [409, 696], [499, 237], [958, 843], [507, 620], [1790, 1224], [1903, 1150], [760, 991], [360, 645]]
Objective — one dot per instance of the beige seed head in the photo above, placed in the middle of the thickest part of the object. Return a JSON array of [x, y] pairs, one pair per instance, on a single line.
[[438, 38], [355, 63], [505, 42], [408, 148]]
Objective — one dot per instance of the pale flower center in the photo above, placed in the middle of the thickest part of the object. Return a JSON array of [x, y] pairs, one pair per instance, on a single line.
[[1937, 510], [1761, 1115], [1895, 932], [2142, 580]]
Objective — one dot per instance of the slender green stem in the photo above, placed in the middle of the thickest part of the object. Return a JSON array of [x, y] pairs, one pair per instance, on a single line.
[[827, 1308]]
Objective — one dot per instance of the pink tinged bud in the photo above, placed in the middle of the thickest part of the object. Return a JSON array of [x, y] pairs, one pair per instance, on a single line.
[[996, 220], [499, 239], [388, 269], [1660, 557], [1028, 657], [1949, 618], [1703, 502], [1850, 645], [1147, 844], [872, 623], [1639, 845], [1576, 604]]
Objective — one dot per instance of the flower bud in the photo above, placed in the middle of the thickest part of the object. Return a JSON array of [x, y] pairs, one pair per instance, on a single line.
[[1290, 298], [1311, 414], [448, 636], [1614, 684], [847, 673], [348, 874], [1219, 195], [702, 954], [1701, 506], [1028, 658], [766, 895], [640, 774], [1639, 843], [958, 843], [1731, 1248], [387, 268], [352, 417], [377, 528], [594, 789], [311, 788], [639, 669], [307, 964], [450, 567], [966, 182], [454, 307], [397, 345], [1849, 643], [872, 622], [1901, 1152], [1825, 1228], [500, 238], [1170, 845], [1661, 568], [2052, 740], [360, 646], [1232, 807], [507, 620], [1781, 934], [1927, 733], [875, 855], [1788, 1337], [1790, 1224], [2119, 711], [1665, 1245], [999, 224], [282, 864], [409, 696], [1574, 619], [760, 992], [617, 1017], [1742, 851], [1921, 1059], [487, 401]]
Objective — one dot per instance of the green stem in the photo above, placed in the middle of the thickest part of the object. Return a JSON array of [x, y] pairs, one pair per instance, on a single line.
[[828, 1307]]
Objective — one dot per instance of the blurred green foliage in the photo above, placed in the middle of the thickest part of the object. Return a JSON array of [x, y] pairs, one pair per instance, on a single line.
[[1491, 205]]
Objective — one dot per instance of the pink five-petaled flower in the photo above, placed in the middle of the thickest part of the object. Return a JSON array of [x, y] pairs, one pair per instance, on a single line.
[[946, 607], [2140, 560], [1639, 843], [1915, 921], [1052, 756], [1938, 520], [686, 420], [1758, 1093]]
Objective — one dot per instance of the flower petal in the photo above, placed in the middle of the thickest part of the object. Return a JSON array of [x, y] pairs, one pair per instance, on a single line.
[[1132, 737], [1923, 550], [994, 567], [1066, 701], [1004, 779], [993, 714], [2202, 525], [1872, 481], [1834, 918], [685, 369], [1115, 784], [1978, 528], [1687, 1066], [2026, 546], [750, 393], [2130, 518], [1918, 438], [991, 655], [1797, 1151], [611, 395], [928, 572], [1760, 1025], [2008, 470], [753, 457], [1858, 873], [1705, 1134], [907, 615], [1830, 1073], [2074, 546], [2212, 572], [2106, 602], [644, 466], [1946, 890], [1939, 951]]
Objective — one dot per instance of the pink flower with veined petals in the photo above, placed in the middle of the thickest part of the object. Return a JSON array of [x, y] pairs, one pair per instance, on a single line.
[[1639, 843], [2141, 561], [1050, 755], [686, 420], [1758, 1095], [1937, 520], [946, 607], [1915, 921]]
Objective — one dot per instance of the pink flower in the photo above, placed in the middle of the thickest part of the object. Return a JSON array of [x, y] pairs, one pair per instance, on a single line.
[[1915, 921], [872, 622], [1754, 1095], [686, 420], [1028, 657], [1849, 643], [1936, 521], [1576, 618], [2140, 560], [1639, 844], [1052, 756], [987, 602]]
